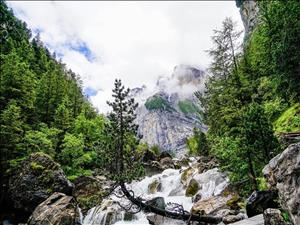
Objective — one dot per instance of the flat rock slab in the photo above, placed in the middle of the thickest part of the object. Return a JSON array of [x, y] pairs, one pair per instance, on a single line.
[[255, 220]]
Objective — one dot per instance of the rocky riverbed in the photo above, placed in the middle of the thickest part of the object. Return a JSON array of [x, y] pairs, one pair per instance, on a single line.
[[40, 189]]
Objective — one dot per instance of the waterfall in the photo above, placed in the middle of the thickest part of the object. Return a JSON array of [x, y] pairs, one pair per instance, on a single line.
[[169, 187]]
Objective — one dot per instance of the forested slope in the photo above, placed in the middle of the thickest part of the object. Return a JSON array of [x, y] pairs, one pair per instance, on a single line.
[[42, 105], [254, 90]]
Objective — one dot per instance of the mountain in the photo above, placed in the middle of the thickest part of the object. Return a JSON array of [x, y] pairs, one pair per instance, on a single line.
[[168, 116]]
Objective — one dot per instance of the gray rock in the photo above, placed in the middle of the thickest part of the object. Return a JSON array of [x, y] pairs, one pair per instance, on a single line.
[[273, 217], [255, 220], [249, 11], [158, 202], [167, 163], [58, 209], [35, 180], [89, 191], [260, 201], [283, 174], [168, 127], [234, 218]]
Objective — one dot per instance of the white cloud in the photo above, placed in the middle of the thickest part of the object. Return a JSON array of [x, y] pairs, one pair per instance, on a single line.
[[134, 41]]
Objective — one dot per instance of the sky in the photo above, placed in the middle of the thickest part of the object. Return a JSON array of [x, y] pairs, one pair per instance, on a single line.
[[134, 41]]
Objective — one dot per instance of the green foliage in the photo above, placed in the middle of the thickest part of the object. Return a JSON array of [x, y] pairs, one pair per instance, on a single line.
[[91, 129], [258, 132], [158, 103], [228, 152], [11, 131], [39, 101], [289, 120], [251, 91], [118, 149], [37, 141], [75, 173], [285, 215], [155, 149], [188, 107], [36, 167], [198, 144], [262, 184], [72, 149]]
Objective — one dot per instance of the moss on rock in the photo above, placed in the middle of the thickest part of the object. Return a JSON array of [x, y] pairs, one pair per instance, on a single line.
[[192, 188]]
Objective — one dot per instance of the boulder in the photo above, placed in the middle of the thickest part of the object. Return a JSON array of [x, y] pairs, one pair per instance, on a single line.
[[255, 220], [259, 201], [205, 163], [35, 180], [148, 156], [89, 191], [58, 209], [192, 188], [155, 219], [210, 205], [283, 174], [165, 154], [108, 213], [158, 202], [183, 162], [234, 218], [186, 176], [152, 168], [274, 217], [154, 186], [167, 163]]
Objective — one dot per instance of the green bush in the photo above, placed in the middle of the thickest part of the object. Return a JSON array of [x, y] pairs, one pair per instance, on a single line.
[[198, 144]]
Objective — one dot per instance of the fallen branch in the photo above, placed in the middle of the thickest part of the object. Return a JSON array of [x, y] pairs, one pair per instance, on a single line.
[[185, 216]]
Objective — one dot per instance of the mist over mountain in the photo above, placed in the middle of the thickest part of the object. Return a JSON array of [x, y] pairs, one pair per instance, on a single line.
[[168, 114]]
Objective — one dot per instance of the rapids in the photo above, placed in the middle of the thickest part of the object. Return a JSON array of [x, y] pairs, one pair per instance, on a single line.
[[171, 189]]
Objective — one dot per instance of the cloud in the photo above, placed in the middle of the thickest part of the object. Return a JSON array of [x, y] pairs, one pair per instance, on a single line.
[[134, 41]]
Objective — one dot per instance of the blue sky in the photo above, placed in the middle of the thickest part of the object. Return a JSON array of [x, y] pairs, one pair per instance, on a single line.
[[134, 41]]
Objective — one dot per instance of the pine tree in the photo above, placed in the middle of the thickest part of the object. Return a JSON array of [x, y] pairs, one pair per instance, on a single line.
[[121, 133], [17, 83], [11, 132], [226, 49]]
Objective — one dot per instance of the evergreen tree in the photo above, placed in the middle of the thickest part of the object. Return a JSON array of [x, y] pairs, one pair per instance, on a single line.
[[11, 132], [198, 144], [121, 132], [62, 118]]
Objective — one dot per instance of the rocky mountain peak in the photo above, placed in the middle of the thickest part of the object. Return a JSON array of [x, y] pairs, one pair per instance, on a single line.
[[186, 74], [169, 114]]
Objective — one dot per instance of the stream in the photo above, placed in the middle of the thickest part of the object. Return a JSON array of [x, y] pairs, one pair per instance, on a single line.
[[169, 187]]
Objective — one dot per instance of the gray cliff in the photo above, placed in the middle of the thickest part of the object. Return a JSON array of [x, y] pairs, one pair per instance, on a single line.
[[167, 118]]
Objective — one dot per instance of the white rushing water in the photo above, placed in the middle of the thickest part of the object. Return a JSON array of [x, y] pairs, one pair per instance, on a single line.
[[171, 189]]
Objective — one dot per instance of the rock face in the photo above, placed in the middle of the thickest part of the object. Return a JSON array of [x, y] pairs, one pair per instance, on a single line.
[[283, 174], [166, 129], [58, 209], [249, 11], [35, 180], [169, 115]]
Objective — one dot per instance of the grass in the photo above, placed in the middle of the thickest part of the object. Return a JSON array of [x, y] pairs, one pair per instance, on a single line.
[[289, 121]]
